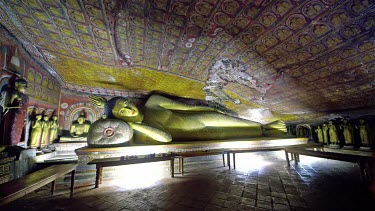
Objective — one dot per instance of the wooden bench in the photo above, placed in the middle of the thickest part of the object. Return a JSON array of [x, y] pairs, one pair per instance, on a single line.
[[363, 159], [119, 161], [182, 155], [19, 187]]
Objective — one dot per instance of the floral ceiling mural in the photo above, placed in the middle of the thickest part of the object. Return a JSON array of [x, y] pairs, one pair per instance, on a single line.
[[302, 58]]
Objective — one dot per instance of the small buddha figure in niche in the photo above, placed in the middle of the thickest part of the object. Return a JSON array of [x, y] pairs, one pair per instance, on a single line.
[[163, 119], [80, 128], [15, 111], [53, 128], [325, 133], [362, 126], [45, 131], [347, 131], [319, 132], [332, 133], [36, 132]]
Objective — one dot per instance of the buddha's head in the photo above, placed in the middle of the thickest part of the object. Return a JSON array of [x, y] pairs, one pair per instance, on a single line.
[[54, 117], [38, 117], [45, 118], [20, 85], [124, 108], [81, 120]]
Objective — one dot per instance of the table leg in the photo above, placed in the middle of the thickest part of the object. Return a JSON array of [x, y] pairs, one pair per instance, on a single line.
[[223, 160], [98, 173], [228, 160], [53, 187], [72, 179], [287, 157], [172, 167], [234, 160]]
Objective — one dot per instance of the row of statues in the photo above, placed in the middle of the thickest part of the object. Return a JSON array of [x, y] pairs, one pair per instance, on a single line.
[[43, 131], [329, 133]]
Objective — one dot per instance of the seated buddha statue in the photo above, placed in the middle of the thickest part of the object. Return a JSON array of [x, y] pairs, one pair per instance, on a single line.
[[79, 128]]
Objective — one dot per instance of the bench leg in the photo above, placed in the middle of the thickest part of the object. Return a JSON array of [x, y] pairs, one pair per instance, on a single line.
[[228, 160], [295, 159], [287, 158], [223, 160], [53, 187], [72, 179], [172, 167], [234, 160], [98, 176], [179, 164], [182, 166], [362, 171]]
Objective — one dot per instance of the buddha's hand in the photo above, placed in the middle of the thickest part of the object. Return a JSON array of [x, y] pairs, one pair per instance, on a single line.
[[98, 101]]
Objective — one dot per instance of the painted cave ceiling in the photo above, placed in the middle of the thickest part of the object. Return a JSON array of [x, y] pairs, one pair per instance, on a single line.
[[299, 59]]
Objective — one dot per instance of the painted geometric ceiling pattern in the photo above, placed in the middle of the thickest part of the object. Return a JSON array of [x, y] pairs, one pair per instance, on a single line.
[[315, 55]]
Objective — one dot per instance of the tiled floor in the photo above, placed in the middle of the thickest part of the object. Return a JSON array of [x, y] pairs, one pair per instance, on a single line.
[[261, 182]]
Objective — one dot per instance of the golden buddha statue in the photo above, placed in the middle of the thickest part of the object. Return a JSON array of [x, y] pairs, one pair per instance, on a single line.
[[79, 128], [53, 128], [347, 131], [332, 133], [319, 133], [363, 133], [36, 132], [45, 131], [164, 119]]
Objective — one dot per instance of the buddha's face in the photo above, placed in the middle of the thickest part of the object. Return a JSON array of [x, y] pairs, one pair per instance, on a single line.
[[38, 117], [125, 108], [21, 87], [45, 118], [80, 120], [54, 118]]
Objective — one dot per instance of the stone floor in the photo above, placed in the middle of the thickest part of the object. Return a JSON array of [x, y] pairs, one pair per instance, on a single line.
[[261, 182]]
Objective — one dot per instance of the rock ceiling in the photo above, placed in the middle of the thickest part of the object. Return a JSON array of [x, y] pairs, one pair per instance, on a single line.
[[311, 57]]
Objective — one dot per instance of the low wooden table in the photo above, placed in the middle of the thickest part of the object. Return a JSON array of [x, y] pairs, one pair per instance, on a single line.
[[119, 161], [245, 150], [365, 160], [182, 155], [19, 187]]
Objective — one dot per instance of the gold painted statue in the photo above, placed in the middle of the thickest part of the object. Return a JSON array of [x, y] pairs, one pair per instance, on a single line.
[[325, 133], [36, 132], [347, 131], [332, 133], [164, 119], [45, 131], [80, 128], [53, 128], [363, 133], [319, 132]]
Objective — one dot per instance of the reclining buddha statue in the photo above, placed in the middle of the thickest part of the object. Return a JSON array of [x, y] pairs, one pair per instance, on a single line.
[[165, 120]]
